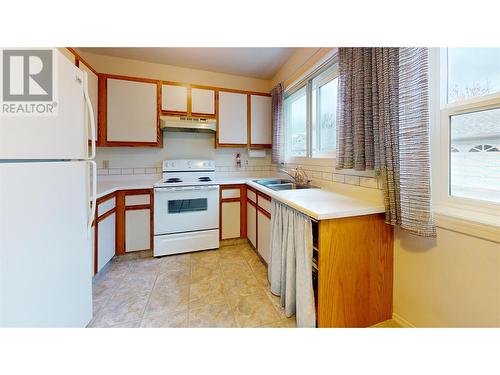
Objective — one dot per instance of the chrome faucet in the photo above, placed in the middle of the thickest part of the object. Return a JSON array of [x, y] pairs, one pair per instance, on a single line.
[[299, 175]]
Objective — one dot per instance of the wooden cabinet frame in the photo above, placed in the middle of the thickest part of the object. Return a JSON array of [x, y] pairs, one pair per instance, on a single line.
[[249, 119], [258, 195], [242, 199], [98, 219], [102, 128], [121, 209]]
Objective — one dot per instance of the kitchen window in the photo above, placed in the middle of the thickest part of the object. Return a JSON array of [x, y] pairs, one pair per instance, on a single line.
[[467, 131], [311, 115]]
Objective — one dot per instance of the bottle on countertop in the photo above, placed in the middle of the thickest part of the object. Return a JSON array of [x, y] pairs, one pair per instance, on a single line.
[[238, 161]]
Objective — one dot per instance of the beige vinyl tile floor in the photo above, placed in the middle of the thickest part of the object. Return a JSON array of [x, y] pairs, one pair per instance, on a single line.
[[227, 287]]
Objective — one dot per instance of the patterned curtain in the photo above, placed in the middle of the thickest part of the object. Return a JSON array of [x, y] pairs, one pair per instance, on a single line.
[[383, 124], [277, 113]]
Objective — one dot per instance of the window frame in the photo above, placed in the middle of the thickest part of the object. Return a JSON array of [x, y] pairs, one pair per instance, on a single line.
[[440, 141], [309, 158]]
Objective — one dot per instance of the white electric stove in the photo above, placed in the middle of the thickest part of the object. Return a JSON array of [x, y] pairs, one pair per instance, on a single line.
[[186, 207]]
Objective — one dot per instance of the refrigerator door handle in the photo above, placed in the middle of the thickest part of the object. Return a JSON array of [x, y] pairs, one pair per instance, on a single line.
[[90, 109], [93, 199]]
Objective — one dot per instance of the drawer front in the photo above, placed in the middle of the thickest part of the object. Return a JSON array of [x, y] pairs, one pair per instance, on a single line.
[[264, 203], [133, 200], [104, 207], [230, 193], [251, 196]]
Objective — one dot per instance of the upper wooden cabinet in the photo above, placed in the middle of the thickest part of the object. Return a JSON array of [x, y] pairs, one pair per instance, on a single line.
[[260, 121], [128, 112], [174, 98], [232, 119], [202, 101]]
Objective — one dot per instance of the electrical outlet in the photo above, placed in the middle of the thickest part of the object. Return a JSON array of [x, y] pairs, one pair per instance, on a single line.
[[105, 164], [246, 161]]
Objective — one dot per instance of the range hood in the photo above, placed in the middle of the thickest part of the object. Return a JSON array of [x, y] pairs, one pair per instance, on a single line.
[[187, 124]]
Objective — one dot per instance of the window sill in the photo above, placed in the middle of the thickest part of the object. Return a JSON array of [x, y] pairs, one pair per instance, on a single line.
[[483, 226]]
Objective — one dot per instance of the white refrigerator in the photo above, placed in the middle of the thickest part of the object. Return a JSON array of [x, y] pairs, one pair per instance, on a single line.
[[47, 196]]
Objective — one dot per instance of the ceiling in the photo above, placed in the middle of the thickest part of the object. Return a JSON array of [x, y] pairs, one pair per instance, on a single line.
[[254, 62]]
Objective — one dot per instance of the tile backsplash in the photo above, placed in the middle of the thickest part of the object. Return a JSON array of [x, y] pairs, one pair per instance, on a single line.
[[328, 174]]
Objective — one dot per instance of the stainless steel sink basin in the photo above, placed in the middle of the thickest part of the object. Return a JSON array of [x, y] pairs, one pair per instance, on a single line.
[[280, 184], [273, 181]]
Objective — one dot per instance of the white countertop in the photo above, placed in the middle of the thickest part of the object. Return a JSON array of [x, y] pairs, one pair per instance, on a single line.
[[107, 186], [340, 200], [322, 204]]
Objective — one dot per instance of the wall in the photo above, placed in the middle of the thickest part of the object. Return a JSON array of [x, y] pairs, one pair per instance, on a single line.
[[177, 145], [450, 281], [116, 65]]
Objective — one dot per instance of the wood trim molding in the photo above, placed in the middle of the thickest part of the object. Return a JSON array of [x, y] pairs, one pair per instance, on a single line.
[[120, 223], [137, 207], [102, 110], [106, 214], [79, 59], [266, 214], [262, 195]]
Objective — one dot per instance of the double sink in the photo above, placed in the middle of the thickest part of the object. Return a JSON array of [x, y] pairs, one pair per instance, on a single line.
[[282, 184]]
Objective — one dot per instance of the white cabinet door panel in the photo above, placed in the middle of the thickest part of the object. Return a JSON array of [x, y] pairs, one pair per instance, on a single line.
[[230, 220], [203, 101], [260, 120], [105, 241], [137, 230], [264, 235], [174, 98], [232, 118], [132, 115], [252, 224]]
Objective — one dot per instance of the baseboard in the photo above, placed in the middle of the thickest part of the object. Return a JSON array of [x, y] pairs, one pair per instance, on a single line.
[[402, 321]]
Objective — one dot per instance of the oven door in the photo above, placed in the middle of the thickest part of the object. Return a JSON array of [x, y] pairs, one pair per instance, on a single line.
[[186, 209]]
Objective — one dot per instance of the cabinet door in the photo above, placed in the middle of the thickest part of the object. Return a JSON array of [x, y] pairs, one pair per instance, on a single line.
[[202, 101], [131, 111], [137, 231], [230, 220], [93, 87], [260, 120], [264, 235], [92, 247], [252, 224], [174, 98], [232, 118], [105, 240]]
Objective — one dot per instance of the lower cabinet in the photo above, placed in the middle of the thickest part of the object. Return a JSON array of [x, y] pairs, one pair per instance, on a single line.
[[232, 212], [106, 240], [104, 232], [137, 229], [231, 226], [135, 221], [259, 222], [124, 223], [252, 224], [263, 235]]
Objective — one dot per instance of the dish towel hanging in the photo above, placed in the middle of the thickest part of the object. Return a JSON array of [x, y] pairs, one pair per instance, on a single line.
[[290, 263]]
